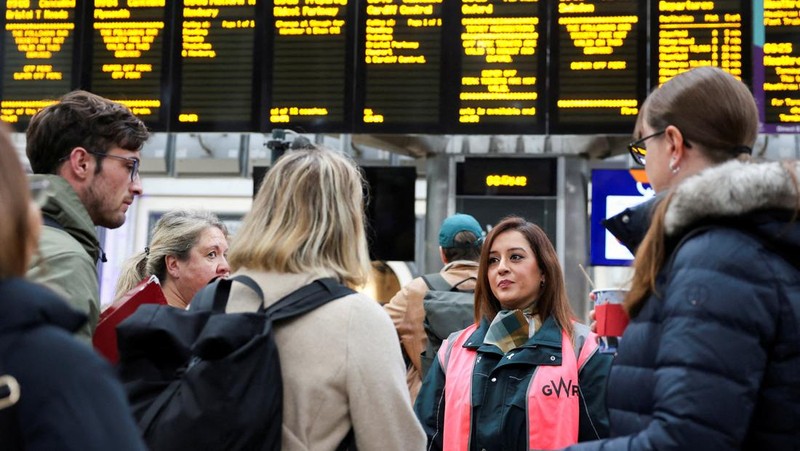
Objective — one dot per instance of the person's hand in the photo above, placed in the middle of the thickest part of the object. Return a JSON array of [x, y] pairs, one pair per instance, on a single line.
[[592, 320]]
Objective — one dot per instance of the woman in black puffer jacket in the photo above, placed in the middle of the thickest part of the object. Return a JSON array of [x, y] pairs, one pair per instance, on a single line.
[[56, 393], [711, 358]]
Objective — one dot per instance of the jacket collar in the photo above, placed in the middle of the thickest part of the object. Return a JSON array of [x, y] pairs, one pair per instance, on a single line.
[[723, 194], [731, 190], [65, 207], [544, 348], [548, 335], [460, 264]]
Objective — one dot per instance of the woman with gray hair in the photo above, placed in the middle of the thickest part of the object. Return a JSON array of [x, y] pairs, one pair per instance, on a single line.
[[188, 249]]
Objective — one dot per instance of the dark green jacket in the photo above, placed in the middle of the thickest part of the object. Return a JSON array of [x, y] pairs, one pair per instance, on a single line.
[[500, 390], [67, 258]]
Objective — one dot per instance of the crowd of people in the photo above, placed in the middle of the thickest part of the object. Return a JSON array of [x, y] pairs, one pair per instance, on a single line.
[[709, 361]]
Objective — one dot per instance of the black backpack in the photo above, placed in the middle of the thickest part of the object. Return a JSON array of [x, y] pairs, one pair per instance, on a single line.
[[446, 310], [207, 380]]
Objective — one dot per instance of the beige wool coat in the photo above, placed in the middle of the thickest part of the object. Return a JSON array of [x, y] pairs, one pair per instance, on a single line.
[[342, 368]]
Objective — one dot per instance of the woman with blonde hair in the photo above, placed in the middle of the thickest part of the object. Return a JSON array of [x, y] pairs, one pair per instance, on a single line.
[[188, 249], [525, 375], [711, 357], [55, 392], [341, 364]]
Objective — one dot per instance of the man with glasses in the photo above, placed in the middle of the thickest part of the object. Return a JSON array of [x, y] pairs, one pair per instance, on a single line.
[[88, 149]]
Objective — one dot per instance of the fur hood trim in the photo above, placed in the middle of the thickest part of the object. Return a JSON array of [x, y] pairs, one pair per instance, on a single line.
[[731, 189]]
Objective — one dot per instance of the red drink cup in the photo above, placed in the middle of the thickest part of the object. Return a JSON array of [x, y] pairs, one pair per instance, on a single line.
[[610, 316]]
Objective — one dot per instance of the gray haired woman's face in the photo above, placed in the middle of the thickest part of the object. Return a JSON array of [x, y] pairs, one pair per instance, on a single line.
[[207, 260]]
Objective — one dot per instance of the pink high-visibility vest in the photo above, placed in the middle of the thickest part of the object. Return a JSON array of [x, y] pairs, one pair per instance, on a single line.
[[553, 407]]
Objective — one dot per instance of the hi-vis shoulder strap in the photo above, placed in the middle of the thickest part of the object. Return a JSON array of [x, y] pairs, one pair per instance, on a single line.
[[581, 333]]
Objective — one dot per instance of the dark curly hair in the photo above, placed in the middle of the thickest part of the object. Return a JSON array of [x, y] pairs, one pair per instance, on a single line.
[[80, 119]]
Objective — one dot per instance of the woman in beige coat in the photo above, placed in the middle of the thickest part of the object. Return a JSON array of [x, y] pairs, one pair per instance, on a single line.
[[341, 363]]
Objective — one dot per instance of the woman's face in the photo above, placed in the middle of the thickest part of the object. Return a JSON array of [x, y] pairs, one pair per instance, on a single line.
[[207, 260], [657, 163], [513, 272]]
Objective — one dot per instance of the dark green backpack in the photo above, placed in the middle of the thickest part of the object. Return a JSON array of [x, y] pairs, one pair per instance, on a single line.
[[446, 310]]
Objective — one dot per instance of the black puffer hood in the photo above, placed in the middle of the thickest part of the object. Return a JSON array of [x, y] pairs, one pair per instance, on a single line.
[[24, 304]]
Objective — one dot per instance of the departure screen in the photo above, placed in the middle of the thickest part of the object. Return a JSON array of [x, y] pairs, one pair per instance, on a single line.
[[598, 72], [128, 41], [392, 66], [310, 77], [501, 58], [400, 55], [700, 33], [782, 66], [216, 65], [37, 57]]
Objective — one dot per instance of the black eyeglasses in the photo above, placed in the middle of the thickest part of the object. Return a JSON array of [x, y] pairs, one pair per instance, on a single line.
[[638, 150], [134, 161]]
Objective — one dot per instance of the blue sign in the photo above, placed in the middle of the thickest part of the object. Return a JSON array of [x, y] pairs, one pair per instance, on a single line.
[[614, 190]]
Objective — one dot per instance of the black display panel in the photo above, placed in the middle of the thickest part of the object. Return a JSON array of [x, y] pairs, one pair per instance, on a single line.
[[500, 67], [390, 218], [597, 66], [129, 56], [391, 223], [507, 177], [38, 56], [781, 62], [216, 66], [686, 35], [311, 65], [399, 66]]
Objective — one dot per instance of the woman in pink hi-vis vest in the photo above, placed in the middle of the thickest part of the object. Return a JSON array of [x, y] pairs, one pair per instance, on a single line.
[[525, 375]]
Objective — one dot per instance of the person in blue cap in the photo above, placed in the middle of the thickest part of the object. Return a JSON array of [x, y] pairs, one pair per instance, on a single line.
[[460, 239]]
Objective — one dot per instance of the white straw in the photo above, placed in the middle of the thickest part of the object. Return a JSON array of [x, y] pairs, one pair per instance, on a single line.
[[591, 283]]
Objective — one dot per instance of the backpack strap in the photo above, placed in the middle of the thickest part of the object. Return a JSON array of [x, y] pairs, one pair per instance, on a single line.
[[437, 282], [307, 298], [214, 296]]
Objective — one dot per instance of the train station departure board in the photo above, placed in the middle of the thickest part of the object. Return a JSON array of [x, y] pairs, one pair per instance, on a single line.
[[392, 66], [217, 65], [399, 65], [781, 63], [128, 55], [38, 56], [501, 66], [689, 34], [598, 69], [311, 65]]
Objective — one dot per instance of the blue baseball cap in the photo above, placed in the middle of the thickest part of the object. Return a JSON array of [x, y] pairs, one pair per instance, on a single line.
[[455, 224]]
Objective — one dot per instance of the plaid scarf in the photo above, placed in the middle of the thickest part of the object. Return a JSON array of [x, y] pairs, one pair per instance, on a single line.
[[508, 330]]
